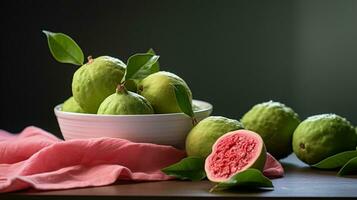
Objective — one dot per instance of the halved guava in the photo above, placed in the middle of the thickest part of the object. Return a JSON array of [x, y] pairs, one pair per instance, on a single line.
[[201, 138], [235, 152]]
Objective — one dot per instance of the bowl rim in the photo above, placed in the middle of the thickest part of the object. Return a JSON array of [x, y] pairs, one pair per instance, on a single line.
[[58, 111]]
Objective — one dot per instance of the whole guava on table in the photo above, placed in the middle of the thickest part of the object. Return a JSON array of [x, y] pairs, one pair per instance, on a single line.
[[235, 152], [124, 102], [321, 136], [70, 105], [158, 89], [200, 139], [96, 80], [276, 123]]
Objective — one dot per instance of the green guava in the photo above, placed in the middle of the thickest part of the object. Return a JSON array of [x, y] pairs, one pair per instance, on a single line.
[[321, 136], [158, 89], [276, 123], [200, 139], [235, 152], [124, 102], [96, 80], [70, 105]]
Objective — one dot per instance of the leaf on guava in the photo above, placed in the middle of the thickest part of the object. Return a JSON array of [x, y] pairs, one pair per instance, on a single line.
[[64, 49], [151, 51], [190, 168], [140, 65], [336, 161], [349, 168], [250, 178], [156, 66], [183, 100]]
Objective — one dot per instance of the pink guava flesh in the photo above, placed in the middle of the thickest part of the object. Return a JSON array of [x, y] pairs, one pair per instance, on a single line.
[[233, 153]]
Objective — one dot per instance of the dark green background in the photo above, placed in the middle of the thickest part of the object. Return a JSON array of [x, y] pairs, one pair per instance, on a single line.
[[233, 54]]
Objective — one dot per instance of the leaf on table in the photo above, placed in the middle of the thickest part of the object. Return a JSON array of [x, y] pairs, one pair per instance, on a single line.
[[64, 49], [190, 168], [141, 65], [251, 178], [336, 161], [349, 168]]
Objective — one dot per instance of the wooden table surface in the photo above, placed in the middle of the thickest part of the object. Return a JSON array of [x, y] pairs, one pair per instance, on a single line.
[[300, 181]]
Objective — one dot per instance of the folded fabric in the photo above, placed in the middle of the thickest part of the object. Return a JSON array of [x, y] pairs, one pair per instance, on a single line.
[[273, 168], [36, 158]]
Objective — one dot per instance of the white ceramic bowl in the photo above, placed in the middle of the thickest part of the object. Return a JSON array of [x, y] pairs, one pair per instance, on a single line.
[[168, 129]]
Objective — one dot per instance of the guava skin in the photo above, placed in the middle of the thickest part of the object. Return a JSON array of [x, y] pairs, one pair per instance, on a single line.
[[321, 136], [275, 123], [158, 89], [70, 105], [125, 103], [235, 152], [200, 139], [96, 80]]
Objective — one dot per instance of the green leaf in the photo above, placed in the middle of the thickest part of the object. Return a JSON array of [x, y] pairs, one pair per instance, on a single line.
[[140, 65], [183, 100], [248, 178], [151, 51], [349, 168], [157, 64], [336, 161], [64, 49], [190, 168]]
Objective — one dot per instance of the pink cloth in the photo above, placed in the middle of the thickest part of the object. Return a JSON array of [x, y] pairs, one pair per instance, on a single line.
[[273, 168], [37, 159]]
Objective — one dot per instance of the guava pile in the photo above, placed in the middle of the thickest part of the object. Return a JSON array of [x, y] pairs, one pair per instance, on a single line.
[[97, 87], [106, 85]]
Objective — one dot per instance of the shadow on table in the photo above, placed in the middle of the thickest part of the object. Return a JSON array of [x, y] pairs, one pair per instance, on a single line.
[[244, 190], [291, 168]]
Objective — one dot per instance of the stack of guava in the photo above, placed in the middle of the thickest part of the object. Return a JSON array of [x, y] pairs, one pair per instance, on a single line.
[[97, 87], [106, 85]]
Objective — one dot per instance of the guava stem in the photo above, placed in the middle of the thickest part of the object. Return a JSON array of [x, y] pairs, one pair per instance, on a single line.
[[194, 121], [90, 59], [121, 89]]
